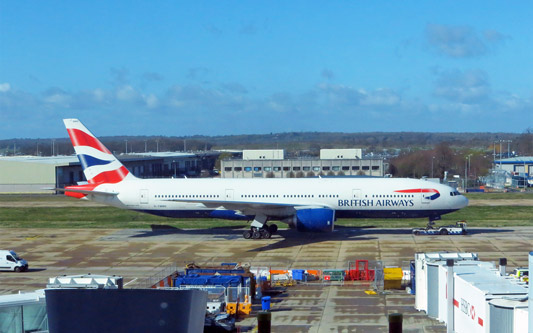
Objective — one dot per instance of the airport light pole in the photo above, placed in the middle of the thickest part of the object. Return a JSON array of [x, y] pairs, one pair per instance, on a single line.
[[465, 181], [126, 146], [432, 159], [500, 150], [468, 174]]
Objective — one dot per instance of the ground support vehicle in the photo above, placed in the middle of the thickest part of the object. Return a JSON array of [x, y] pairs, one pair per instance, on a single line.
[[10, 261], [459, 228]]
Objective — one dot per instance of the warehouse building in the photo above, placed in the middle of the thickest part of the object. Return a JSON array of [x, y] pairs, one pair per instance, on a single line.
[[519, 165], [517, 169], [340, 162], [34, 174]]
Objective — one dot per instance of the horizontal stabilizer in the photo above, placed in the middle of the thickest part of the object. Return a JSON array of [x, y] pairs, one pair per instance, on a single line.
[[86, 192]]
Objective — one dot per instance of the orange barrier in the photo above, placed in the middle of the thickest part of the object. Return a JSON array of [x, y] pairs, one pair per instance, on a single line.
[[244, 309], [231, 308], [279, 271], [166, 282]]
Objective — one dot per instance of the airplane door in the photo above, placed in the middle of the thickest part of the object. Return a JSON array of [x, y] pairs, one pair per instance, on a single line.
[[356, 194], [144, 197], [229, 195]]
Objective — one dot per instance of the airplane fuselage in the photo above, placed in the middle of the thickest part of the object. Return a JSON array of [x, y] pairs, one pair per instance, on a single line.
[[235, 198], [309, 204]]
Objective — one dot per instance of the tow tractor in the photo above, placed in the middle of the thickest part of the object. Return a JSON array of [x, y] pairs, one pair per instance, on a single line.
[[521, 273], [459, 228]]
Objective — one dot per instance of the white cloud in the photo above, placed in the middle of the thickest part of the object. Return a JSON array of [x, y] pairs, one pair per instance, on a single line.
[[467, 87], [152, 101], [461, 41], [57, 97], [381, 97], [127, 94], [5, 87], [228, 108]]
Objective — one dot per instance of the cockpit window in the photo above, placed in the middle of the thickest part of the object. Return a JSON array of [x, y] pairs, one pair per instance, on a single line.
[[454, 193]]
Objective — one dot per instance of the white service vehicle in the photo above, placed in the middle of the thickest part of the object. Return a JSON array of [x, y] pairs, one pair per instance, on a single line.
[[458, 229], [10, 261]]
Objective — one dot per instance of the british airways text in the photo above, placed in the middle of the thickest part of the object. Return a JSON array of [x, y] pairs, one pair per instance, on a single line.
[[376, 203]]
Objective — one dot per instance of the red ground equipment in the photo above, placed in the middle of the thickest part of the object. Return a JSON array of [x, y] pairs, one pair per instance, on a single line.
[[359, 271]]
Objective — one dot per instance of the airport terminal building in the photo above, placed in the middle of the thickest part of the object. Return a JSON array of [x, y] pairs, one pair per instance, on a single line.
[[332, 162]]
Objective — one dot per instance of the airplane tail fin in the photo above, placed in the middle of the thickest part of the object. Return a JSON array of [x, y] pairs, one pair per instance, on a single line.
[[99, 165]]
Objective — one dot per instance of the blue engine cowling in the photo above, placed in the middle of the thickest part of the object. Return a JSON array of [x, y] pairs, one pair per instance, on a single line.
[[315, 219]]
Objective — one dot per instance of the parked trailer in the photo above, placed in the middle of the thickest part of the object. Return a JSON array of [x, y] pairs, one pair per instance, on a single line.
[[460, 228], [421, 273], [472, 295]]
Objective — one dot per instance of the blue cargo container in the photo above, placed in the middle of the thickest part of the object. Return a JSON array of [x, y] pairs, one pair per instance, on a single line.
[[208, 280], [298, 274], [265, 303], [212, 271]]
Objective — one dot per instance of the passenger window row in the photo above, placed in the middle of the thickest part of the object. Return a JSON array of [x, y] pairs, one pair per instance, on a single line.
[[187, 196], [297, 168], [393, 196]]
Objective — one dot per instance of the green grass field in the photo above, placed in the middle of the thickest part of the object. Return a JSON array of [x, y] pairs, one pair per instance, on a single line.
[[500, 196], [109, 217]]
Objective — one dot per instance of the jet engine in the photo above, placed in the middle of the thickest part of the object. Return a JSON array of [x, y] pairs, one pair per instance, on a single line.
[[313, 219]]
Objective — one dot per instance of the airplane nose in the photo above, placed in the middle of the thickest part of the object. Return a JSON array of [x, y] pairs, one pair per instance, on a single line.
[[463, 202]]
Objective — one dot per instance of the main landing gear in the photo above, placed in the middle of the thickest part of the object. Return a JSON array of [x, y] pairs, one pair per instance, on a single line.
[[259, 228], [264, 232]]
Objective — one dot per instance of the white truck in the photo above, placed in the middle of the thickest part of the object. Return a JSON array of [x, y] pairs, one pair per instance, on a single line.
[[10, 261]]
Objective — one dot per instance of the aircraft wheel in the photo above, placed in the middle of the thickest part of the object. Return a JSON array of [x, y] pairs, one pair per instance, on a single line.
[[444, 232], [417, 233], [273, 228], [266, 234], [247, 234], [256, 234]]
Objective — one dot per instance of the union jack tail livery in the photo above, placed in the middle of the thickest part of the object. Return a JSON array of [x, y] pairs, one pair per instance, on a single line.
[[99, 165]]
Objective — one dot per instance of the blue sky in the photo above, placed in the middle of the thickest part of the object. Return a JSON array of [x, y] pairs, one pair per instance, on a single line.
[[234, 67]]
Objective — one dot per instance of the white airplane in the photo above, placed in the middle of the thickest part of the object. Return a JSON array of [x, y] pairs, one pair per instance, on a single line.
[[309, 204]]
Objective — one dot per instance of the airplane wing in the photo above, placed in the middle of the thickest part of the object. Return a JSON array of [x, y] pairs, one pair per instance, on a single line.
[[252, 208]]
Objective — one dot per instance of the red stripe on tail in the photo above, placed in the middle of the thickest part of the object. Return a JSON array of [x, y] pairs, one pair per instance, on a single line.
[[110, 177], [80, 138]]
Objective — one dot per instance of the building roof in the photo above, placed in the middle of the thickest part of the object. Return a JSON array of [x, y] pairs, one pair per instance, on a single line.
[[515, 160], [73, 159], [22, 298], [161, 154], [490, 282], [54, 160]]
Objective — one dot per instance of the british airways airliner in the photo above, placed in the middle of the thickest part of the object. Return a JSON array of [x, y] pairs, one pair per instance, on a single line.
[[309, 204]]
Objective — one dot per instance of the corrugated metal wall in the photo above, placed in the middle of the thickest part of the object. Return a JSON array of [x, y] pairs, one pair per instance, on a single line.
[[501, 319], [433, 291]]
